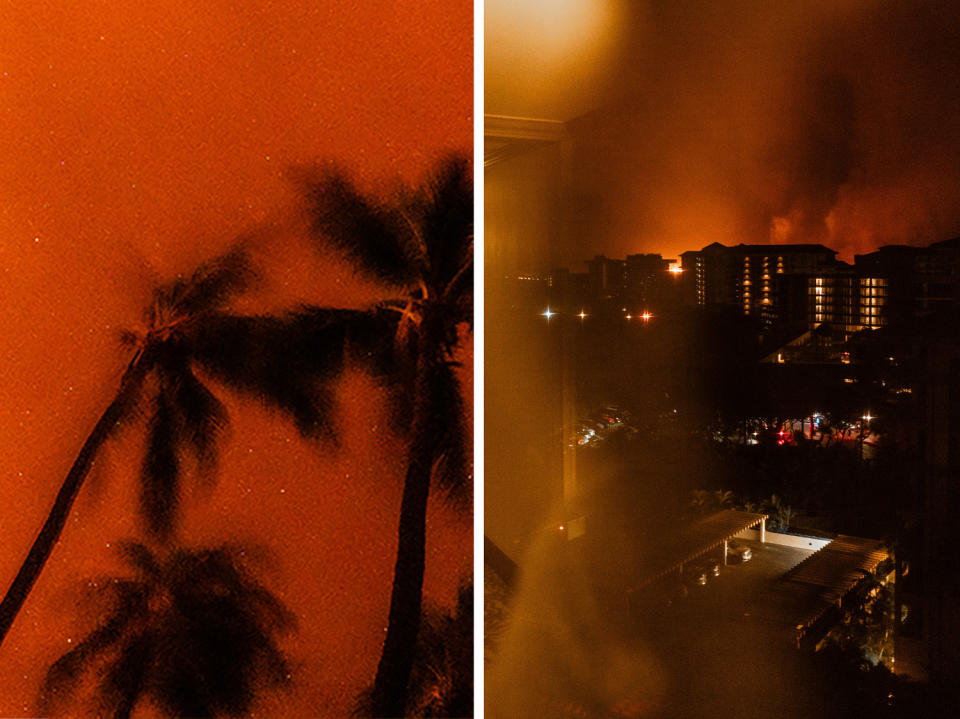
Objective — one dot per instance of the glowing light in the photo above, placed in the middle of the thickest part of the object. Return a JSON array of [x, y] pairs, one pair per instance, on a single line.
[[646, 316], [582, 314], [548, 314], [675, 268], [867, 416], [629, 317]]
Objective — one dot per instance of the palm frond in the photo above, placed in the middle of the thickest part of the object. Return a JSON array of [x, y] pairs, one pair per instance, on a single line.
[[441, 683], [61, 678], [142, 559], [197, 636], [461, 310], [447, 221], [370, 232], [123, 684], [454, 468], [211, 285], [160, 470], [460, 286], [222, 628], [288, 362], [203, 415]]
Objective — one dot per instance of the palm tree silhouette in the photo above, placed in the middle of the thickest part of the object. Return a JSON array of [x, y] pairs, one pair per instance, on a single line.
[[190, 631], [183, 413], [287, 361], [420, 245], [443, 669]]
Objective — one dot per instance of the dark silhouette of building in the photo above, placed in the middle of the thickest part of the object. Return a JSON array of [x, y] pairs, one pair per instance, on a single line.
[[763, 281], [918, 280]]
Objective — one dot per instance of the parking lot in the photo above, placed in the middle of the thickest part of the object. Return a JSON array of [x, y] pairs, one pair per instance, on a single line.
[[714, 652]]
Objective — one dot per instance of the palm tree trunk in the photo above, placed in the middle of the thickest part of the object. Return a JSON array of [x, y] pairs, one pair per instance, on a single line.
[[389, 695], [50, 533]]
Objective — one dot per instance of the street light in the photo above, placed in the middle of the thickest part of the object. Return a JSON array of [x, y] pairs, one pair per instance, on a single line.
[[867, 418], [548, 314]]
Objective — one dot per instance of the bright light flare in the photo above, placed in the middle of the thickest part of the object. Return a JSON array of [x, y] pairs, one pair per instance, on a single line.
[[582, 314], [548, 314], [646, 316], [675, 268]]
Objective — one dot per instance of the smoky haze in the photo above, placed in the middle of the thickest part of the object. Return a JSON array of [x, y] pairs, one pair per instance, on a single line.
[[749, 122]]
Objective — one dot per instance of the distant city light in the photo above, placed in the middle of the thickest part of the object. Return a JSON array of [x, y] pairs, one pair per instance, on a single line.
[[645, 316], [547, 313], [629, 317], [582, 314], [867, 417]]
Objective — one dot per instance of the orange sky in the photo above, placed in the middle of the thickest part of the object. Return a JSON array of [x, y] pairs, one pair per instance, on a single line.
[[823, 121], [139, 141]]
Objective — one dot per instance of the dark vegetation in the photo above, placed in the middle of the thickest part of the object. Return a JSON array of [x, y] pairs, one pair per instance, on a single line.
[[190, 631]]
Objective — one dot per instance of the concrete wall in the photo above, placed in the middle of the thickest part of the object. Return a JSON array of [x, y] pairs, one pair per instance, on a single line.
[[787, 540]]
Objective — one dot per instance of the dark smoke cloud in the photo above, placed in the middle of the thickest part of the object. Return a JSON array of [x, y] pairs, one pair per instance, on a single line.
[[750, 122]]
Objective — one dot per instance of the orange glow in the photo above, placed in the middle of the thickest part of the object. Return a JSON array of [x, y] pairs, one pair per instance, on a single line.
[[646, 316], [566, 49]]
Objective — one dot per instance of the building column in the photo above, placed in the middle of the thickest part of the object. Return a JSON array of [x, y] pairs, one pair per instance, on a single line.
[[763, 530]]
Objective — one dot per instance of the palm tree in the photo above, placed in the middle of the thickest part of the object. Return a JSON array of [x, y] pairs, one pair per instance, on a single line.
[[443, 668], [182, 411], [420, 246], [190, 630], [187, 325]]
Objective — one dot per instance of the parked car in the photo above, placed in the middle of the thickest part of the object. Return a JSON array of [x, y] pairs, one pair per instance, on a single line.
[[738, 552], [700, 571], [695, 574], [708, 565]]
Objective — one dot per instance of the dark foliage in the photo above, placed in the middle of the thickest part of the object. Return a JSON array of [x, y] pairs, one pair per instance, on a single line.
[[190, 631], [288, 362], [185, 415], [161, 468], [453, 470], [420, 242], [180, 409], [340, 214], [441, 681], [442, 675]]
